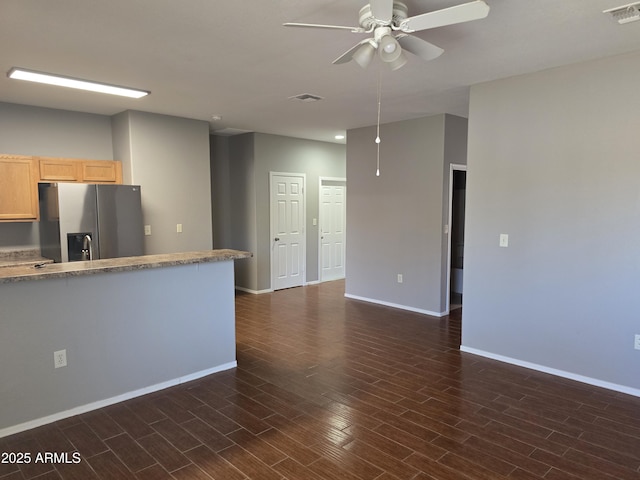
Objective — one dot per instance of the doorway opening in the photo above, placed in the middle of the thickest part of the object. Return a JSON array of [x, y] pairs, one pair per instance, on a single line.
[[332, 231], [457, 196]]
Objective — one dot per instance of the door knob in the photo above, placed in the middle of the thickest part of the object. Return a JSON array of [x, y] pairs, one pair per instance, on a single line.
[[276, 239]]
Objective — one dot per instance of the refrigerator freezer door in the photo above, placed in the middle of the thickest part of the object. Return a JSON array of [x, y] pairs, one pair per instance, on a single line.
[[49, 225], [119, 221], [77, 213]]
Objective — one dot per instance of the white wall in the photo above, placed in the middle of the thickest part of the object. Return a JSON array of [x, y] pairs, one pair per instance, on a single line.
[[553, 162], [395, 222]]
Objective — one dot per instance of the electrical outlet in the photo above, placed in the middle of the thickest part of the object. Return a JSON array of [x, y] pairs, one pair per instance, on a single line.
[[147, 229], [400, 279], [179, 228], [60, 358], [636, 344]]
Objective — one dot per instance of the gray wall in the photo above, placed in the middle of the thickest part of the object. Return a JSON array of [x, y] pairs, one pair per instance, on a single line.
[[169, 157], [121, 139], [221, 194], [27, 130], [455, 152], [244, 162], [396, 221], [553, 162], [150, 329], [293, 155], [234, 202]]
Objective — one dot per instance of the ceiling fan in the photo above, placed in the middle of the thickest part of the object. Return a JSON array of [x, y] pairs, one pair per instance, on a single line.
[[391, 25]]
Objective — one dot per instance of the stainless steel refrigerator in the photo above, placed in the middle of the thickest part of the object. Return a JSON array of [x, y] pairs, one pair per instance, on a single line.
[[86, 221]]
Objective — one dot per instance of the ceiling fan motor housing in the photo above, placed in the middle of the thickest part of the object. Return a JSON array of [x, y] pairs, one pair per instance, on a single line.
[[369, 22]]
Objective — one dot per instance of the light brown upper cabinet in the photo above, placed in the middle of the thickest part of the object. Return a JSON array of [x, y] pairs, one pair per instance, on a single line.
[[18, 188], [20, 174], [101, 171], [59, 169], [76, 170]]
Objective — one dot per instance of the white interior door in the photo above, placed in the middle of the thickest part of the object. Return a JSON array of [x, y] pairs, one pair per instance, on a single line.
[[287, 230], [332, 230]]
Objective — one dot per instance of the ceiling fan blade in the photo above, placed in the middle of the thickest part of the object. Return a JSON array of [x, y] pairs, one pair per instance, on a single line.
[[382, 10], [419, 47], [348, 55], [447, 16], [334, 27]]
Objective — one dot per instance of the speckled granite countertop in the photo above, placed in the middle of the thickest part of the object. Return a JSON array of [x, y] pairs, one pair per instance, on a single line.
[[11, 258], [11, 274]]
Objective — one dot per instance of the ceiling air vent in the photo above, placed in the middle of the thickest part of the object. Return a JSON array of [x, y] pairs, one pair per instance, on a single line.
[[306, 97], [625, 13]]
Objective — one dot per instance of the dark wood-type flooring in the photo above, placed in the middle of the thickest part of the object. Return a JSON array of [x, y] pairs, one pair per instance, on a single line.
[[331, 388]]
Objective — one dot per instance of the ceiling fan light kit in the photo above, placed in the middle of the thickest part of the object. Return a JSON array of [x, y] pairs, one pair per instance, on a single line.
[[388, 47], [398, 62], [391, 25], [364, 54]]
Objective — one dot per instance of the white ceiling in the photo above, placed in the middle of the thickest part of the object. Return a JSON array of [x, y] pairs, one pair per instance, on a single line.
[[235, 59]]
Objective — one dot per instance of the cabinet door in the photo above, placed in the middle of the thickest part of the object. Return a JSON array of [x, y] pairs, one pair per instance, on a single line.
[[59, 169], [101, 171], [18, 189]]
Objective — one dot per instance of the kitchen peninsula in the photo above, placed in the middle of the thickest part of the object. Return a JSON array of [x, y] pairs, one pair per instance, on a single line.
[[128, 326]]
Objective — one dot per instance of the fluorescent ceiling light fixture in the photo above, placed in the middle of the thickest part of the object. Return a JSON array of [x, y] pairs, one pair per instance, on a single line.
[[625, 13], [61, 81]]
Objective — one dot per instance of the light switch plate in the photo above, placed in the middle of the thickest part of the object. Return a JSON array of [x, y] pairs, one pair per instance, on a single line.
[[504, 240]]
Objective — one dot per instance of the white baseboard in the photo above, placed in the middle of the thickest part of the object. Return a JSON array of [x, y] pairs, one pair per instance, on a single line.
[[395, 305], [4, 432], [270, 290], [254, 292], [553, 371]]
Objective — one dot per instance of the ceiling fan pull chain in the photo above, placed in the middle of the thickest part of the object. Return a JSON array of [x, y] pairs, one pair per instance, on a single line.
[[378, 125]]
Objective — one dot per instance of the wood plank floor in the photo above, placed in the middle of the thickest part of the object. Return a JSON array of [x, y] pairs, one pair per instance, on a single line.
[[331, 388]]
